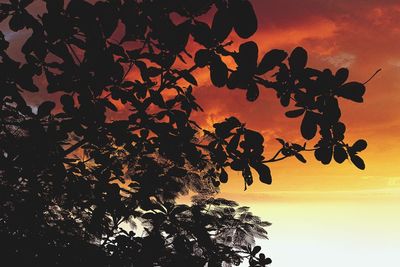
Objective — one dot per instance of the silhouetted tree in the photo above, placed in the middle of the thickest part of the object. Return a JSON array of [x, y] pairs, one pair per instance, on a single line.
[[113, 145]]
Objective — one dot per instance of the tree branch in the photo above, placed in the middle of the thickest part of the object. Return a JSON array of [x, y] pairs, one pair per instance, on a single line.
[[74, 147]]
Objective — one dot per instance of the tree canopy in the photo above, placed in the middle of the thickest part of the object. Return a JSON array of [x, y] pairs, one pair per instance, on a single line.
[[91, 175]]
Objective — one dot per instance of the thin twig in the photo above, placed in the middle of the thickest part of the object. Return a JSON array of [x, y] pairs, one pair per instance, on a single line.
[[376, 72], [74, 147]]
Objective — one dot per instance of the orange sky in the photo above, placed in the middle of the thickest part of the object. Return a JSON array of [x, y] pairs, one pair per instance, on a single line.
[[360, 35]]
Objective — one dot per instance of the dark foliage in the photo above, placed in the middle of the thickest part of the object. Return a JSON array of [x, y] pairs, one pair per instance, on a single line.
[[77, 174]]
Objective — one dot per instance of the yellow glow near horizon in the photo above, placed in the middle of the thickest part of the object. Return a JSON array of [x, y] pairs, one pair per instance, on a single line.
[[330, 234]]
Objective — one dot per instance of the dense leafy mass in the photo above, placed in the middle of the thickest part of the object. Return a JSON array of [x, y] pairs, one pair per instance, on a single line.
[[113, 144]]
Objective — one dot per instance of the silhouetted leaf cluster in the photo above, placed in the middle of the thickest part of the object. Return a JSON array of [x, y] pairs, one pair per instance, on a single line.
[[113, 144]]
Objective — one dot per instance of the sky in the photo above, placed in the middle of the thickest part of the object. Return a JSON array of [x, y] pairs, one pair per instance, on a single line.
[[360, 35], [333, 215]]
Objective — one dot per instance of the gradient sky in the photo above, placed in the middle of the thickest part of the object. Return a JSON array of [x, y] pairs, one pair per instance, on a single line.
[[333, 215], [360, 35]]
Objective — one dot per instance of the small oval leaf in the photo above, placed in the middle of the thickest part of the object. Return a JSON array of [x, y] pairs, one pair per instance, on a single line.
[[202, 58], [360, 145], [222, 24], [353, 91], [245, 20], [359, 162], [324, 154], [339, 154], [218, 72], [341, 76], [298, 59], [294, 113], [252, 92], [308, 126], [223, 177], [300, 157], [185, 74], [270, 60], [255, 250], [263, 171], [45, 108]]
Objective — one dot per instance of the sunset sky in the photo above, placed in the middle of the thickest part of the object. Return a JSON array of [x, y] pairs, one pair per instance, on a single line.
[[334, 215], [362, 36]]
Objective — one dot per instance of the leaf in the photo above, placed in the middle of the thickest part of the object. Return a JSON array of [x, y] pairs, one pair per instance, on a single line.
[[300, 157], [79, 9], [359, 162], [223, 129], [157, 98], [353, 91], [188, 77], [108, 16], [360, 145], [255, 250], [254, 138], [331, 111], [25, 3], [202, 58], [25, 74], [247, 57], [109, 105], [252, 92], [265, 261], [3, 43], [339, 154], [68, 103], [144, 133], [233, 143], [117, 50], [223, 177], [143, 70], [263, 171], [281, 141], [270, 60], [323, 154], [248, 177], [34, 43], [222, 24], [298, 59], [54, 5], [285, 99], [202, 34], [237, 165], [215, 182], [45, 108], [237, 80], [153, 71], [338, 131], [298, 147], [294, 113], [17, 22], [308, 126], [245, 20], [341, 76], [218, 72]]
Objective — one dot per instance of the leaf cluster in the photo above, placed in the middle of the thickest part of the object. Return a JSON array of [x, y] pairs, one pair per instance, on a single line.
[[113, 141]]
